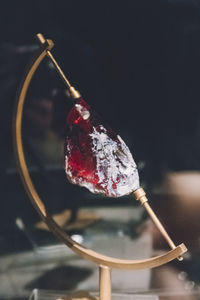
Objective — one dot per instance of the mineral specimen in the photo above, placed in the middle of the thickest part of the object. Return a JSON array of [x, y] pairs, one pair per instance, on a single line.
[[95, 156]]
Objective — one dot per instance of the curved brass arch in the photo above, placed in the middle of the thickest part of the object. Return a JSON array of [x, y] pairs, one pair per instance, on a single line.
[[38, 204]]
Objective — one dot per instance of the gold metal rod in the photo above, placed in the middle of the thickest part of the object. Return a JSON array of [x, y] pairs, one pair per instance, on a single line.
[[59, 69], [41, 38], [141, 196], [104, 283], [73, 92], [159, 225]]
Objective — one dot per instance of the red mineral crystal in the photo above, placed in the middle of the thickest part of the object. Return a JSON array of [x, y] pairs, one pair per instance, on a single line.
[[95, 156]]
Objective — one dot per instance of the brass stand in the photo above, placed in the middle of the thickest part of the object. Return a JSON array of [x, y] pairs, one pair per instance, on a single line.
[[105, 283], [105, 263]]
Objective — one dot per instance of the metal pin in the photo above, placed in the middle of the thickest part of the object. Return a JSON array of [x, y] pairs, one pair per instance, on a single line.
[[73, 92], [141, 196]]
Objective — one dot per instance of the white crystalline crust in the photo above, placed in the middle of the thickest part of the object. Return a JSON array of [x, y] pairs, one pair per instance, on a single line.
[[114, 161], [114, 164], [85, 114]]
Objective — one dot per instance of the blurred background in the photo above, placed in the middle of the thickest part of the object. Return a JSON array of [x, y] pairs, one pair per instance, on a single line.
[[136, 63]]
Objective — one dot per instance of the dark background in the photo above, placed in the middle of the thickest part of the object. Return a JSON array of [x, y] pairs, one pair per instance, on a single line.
[[136, 62]]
